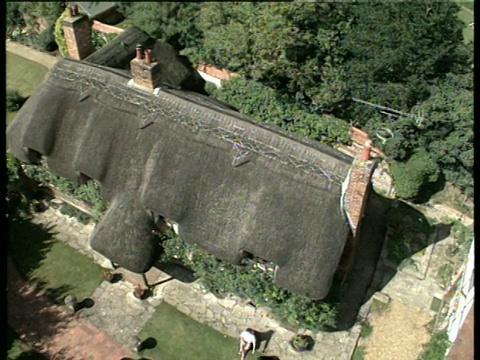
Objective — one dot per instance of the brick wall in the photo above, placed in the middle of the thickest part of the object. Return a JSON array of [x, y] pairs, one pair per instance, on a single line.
[[78, 36], [104, 28]]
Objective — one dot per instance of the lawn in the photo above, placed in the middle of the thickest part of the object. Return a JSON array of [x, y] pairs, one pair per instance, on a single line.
[[56, 266], [179, 337], [24, 76], [467, 17]]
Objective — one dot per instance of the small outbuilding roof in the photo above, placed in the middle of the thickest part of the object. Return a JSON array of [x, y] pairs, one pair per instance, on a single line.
[[94, 9]]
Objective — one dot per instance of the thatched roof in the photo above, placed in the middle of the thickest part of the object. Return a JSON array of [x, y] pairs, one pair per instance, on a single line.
[[234, 185]]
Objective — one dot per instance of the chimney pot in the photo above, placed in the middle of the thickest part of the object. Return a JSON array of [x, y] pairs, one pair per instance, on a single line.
[[148, 57], [70, 11], [139, 49], [367, 148], [75, 10]]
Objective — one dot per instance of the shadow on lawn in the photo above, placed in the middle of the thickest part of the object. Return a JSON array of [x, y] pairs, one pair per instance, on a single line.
[[31, 316], [28, 243]]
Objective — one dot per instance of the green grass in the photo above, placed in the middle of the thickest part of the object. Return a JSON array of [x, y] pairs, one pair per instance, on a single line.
[[18, 350], [179, 337], [366, 330], [359, 353], [467, 17], [24, 76], [468, 5], [57, 267]]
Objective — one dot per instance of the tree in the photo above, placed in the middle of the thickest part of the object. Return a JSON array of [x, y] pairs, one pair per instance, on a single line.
[[170, 22], [13, 15], [410, 176], [289, 47], [48, 10], [395, 50], [447, 129]]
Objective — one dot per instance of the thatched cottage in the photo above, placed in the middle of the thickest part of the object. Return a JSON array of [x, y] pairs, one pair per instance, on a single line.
[[136, 120]]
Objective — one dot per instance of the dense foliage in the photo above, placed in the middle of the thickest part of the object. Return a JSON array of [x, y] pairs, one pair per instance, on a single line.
[[167, 21], [419, 170], [13, 16], [58, 34], [14, 100], [48, 10], [46, 40], [250, 282], [89, 192], [437, 346], [263, 103], [318, 55]]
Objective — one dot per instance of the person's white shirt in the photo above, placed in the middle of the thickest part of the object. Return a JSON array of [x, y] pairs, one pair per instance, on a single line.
[[249, 338]]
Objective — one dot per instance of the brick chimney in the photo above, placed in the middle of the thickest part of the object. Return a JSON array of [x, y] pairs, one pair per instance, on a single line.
[[78, 34], [367, 148], [145, 71]]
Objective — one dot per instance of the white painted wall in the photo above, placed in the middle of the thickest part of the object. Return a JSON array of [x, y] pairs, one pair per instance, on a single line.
[[462, 301], [216, 81]]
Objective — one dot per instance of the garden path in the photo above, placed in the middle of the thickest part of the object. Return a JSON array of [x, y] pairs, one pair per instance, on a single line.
[[398, 333]]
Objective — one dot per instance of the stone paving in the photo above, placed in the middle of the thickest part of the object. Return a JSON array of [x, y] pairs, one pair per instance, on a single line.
[[117, 312]]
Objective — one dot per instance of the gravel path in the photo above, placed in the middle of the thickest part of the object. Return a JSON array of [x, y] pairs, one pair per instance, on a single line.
[[398, 333]]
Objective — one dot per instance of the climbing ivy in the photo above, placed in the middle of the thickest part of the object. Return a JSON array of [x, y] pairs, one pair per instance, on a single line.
[[59, 36], [89, 192], [250, 282]]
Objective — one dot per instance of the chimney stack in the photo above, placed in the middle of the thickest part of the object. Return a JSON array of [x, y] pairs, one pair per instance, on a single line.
[[145, 73], [367, 148], [78, 34]]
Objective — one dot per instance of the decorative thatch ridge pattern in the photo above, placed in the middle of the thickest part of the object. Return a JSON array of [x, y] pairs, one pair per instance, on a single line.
[[234, 185]]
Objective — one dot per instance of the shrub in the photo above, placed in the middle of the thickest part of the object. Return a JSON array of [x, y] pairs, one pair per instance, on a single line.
[[366, 330], [359, 353], [13, 166], [75, 213], [444, 274], [13, 15], [100, 39], [210, 88], [437, 346], [89, 192], [14, 100], [46, 40], [409, 177]]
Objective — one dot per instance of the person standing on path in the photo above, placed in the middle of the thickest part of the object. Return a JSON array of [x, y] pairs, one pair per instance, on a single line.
[[247, 341]]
